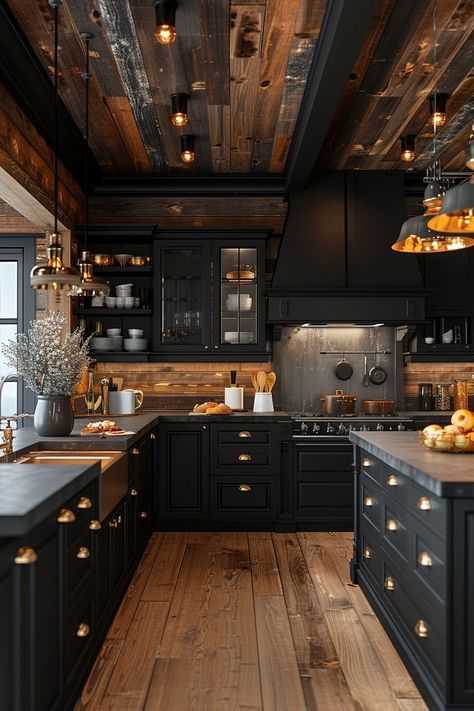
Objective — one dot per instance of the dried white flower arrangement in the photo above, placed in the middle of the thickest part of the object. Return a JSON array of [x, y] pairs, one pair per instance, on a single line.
[[50, 361]]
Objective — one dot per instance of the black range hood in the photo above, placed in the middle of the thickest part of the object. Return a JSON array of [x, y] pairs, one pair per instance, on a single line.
[[336, 263]]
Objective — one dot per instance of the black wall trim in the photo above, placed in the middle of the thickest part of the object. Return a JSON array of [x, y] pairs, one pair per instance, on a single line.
[[26, 79], [215, 185]]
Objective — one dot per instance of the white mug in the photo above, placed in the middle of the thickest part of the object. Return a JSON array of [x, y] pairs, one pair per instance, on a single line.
[[125, 402]]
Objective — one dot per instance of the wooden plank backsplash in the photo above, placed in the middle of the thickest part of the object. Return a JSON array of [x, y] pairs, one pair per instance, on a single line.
[[416, 373]]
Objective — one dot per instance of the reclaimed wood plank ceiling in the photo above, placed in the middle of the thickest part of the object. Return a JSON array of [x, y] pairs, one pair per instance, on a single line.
[[387, 92], [244, 65]]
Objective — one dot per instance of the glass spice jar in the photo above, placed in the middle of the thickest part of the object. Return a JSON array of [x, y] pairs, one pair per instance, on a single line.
[[442, 398], [460, 394]]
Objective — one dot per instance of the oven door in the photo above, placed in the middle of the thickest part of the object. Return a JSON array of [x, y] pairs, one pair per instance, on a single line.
[[323, 491]]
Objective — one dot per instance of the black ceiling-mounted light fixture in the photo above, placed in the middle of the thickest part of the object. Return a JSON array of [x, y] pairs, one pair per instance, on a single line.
[[90, 285], [407, 148], [52, 274], [187, 148], [179, 109], [165, 13], [437, 116]]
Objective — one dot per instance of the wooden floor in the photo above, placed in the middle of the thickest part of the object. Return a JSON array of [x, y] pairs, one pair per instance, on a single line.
[[218, 621]]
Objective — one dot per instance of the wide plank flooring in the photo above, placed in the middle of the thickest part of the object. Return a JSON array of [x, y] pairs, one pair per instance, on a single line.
[[248, 621]]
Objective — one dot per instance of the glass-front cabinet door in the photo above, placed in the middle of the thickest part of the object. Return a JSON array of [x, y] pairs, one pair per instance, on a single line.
[[183, 297], [238, 299]]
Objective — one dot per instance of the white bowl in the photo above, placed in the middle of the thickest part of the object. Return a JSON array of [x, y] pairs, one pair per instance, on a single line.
[[135, 332], [101, 344], [135, 344], [110, 302], [128, 302], [429, 340], [122, 259], [117, 342], [114, 331], [124, 286], [120, 302]]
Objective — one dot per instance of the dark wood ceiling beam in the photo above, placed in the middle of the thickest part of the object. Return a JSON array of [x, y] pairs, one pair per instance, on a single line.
[[123, 41], [342, 35], [269, 223], [186, 206]]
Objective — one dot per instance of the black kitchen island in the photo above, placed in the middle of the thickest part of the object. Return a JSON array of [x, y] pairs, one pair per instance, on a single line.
[[414, 558]]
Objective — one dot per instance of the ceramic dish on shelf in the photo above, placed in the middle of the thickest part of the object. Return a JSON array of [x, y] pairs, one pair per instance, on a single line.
[[100, 343], [110, 302], [122, 259], [135, 344], [137, 261]]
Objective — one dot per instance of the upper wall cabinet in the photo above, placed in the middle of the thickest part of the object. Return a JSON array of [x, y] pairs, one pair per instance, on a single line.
[[208, 296]]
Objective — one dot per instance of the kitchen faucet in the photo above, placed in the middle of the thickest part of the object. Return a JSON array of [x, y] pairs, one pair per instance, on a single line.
[[8, 378]]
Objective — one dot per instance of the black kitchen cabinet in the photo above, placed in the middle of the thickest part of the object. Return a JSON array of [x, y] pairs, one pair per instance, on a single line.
[[7, 640], [144, 455], [323, 486], [451, 277], [208, 295], [183, 466]]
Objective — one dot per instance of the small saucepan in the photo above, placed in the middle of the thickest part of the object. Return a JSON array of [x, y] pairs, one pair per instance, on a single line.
[[338, 403], [378, 407], [343, 369]]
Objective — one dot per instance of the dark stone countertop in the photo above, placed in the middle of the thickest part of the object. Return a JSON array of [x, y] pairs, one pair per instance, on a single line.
[[444, 474], [30, 493]]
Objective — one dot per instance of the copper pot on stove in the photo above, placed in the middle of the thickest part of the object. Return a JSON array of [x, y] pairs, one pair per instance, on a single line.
[[378, 407], [338, 403]]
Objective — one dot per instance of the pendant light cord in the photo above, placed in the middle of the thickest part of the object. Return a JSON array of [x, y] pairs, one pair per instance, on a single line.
[[86, 76], [55, 120], [435, 59]]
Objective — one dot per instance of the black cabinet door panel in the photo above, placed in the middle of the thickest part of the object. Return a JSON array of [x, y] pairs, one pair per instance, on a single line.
[[324, 500]]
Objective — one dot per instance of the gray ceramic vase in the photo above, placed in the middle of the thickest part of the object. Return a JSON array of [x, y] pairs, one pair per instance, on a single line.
[[54, 416]]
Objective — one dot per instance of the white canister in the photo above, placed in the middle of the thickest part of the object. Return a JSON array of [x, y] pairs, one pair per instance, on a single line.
[[234, 398], [125, 402], [263, 402]]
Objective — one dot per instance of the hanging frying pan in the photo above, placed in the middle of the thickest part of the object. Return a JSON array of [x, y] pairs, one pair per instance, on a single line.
[[343, 369], [377, 375]]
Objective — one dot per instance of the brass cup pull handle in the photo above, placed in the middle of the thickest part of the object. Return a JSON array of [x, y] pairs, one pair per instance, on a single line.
[[66, 516], [391, 525], [245, 458], [424, 504], [244, 434], [245, 487], [143, 514], [152, 435], [368, 501], [389, 583], [135, 451], [25, 556], [421, 629], [83, 553], [84, 503], [424, 559], [366, 462], [95, 525], [133, 492], [119, 520], [392, 480], [367, 554], [83, 630]]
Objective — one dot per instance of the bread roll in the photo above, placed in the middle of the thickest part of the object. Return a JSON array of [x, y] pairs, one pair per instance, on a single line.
[[220, 409], [204, 406]]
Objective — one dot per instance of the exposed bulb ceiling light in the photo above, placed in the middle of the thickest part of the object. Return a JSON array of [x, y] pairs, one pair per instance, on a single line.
[[437, 116], [187, 148], [407, 151], [165, 13], [52, 274], [179, 109]]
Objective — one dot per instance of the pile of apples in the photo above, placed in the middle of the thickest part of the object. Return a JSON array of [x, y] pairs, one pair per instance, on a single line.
[[456, 437]]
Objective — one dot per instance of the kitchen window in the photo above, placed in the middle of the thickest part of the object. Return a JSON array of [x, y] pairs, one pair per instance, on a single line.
[[17, 309]]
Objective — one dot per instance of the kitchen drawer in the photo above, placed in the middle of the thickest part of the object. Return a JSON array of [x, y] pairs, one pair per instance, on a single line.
[[395, 484], [244, 499], [428, 509], [256, 458], [78, 634], [409, 611], [242, 435], [79, 562], [396, 533], [370, 558], [324, 500], [77, 513], [371, 466], [324, 461], [429, 562], [370, 503]]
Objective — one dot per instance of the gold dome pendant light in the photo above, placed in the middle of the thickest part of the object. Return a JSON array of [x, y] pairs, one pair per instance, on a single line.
[[52, 274], [90, 285]]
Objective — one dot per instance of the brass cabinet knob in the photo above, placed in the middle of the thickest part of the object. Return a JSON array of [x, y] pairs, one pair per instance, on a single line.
[[152, 435], [245, 487], [421, 629], [133, 492], [424, 504], [392, 480], [143, 514], [366, 462], [206, 348], [95, 525], [368, 501], [424, 559], [391, 525], [389, 583], [204, 427], [244, 434], [244, 458], [135, 451], [25, 556], [367, 553], [216, 348], [84, 503], [66, 516], [83, 630], [83, 553]]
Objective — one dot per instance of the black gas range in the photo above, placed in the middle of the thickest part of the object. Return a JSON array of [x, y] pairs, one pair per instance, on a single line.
[[320, 427]]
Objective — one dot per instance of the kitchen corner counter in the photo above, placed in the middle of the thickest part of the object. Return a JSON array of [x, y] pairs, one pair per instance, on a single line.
[[31, 492], [444, 474]]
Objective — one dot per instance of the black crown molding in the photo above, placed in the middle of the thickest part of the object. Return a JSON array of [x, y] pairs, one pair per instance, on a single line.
[[215, 185]]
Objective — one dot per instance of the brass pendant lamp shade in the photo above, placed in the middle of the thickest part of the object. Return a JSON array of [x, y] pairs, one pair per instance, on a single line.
[[52, 274], [457, 212]]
